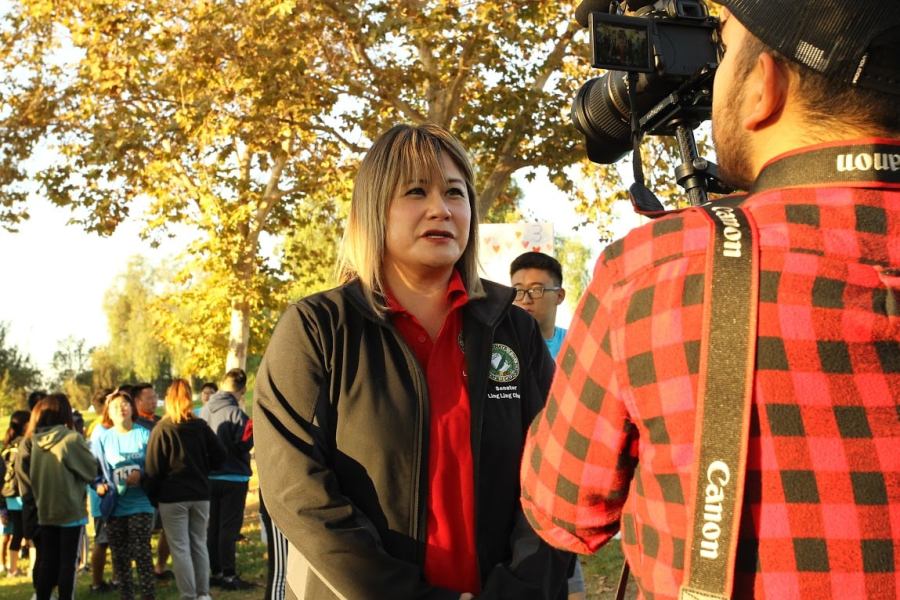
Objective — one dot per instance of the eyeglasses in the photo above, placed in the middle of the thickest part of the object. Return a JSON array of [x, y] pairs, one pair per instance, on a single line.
[[535, 293]]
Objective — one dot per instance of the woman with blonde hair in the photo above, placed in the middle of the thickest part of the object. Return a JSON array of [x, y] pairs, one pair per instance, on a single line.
[[181, 452], [391, 412]]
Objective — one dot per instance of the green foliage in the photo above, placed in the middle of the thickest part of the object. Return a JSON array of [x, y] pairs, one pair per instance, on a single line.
[[573, 256], [11, 397], [71, 373], [135, 352], [230, 118], [17, 374]]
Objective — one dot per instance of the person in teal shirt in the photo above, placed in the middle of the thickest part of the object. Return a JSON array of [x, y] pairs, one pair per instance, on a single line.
[[121, 451]]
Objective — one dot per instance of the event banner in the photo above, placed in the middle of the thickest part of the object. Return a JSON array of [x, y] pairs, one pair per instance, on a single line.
[[500, 243]]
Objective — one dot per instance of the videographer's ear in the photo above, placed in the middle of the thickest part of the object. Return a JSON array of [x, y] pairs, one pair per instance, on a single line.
[[766, 92]]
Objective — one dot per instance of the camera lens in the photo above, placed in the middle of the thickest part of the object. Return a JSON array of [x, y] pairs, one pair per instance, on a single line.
[[600, 111]]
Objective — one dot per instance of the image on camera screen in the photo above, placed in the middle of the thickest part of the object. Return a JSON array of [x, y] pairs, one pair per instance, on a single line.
[[621, 46]]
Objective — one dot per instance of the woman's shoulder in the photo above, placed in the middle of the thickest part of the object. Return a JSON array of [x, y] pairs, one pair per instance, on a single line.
[[332, 294], [328, 309]]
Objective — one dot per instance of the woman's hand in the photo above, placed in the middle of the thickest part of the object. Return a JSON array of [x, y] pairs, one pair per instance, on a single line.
[[466, 596], [133, 479], [101, 489]]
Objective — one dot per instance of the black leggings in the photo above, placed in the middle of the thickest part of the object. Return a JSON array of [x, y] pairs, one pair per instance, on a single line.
[[57, 549]]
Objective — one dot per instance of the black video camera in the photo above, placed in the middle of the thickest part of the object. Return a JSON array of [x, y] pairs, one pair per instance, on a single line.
[[669, 49]]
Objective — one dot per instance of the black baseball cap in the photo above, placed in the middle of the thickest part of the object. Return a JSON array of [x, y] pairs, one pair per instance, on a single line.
[[850, 42]]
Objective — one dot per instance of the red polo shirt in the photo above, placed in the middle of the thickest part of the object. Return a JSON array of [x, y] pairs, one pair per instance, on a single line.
[[450, 558]]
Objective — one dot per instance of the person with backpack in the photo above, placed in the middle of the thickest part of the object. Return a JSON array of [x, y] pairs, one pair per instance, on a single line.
[[12, 500]]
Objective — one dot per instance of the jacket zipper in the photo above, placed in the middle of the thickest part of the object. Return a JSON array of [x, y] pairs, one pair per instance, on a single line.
[[419, 498]]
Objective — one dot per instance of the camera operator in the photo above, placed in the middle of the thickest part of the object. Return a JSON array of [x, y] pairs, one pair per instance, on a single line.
[[805, 116]]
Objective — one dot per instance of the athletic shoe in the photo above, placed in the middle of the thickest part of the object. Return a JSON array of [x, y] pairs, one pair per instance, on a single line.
[[233, 582]]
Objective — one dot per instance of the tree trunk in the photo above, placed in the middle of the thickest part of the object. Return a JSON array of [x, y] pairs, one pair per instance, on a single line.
[[239, 336]]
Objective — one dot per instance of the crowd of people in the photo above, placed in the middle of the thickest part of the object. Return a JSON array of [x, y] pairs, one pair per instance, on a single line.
[[184, 475]]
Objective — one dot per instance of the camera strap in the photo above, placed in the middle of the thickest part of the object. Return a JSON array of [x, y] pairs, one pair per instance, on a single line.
[[859, 164], [721, 435], [728, 345]]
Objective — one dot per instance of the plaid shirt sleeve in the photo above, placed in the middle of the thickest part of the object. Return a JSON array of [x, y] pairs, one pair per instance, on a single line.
[[582, 448]]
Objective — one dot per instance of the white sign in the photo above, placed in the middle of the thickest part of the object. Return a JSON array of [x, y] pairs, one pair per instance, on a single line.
[[501, 243]]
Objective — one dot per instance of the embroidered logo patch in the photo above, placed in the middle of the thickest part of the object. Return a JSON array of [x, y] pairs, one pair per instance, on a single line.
[[504, 364]]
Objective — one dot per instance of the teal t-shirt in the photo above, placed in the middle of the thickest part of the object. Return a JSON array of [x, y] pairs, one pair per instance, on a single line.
[[124, 453], [98, 432], [554, 343], [231, 477]]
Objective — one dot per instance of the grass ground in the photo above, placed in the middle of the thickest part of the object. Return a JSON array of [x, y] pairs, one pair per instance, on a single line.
[[251, 560], [601, 571]]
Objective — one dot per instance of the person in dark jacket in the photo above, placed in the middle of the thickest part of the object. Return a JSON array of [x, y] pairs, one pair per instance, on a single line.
[[11, 497], [180, 454], [391, 411], [230, 481]]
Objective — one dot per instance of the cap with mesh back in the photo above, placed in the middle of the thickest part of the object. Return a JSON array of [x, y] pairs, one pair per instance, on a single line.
[[854, 42]]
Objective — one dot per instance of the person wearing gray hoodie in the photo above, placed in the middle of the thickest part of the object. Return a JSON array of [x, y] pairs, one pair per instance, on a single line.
[[61, 466]]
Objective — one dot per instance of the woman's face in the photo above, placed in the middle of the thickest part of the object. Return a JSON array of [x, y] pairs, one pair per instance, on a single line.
[[428, 222], [120, 412]]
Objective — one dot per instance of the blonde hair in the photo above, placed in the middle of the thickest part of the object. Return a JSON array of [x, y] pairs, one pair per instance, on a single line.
[[179, 404], [402, 153]]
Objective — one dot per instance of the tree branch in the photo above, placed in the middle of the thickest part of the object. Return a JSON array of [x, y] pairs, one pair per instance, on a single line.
[[507, 160], [359, 47], [341, 138]]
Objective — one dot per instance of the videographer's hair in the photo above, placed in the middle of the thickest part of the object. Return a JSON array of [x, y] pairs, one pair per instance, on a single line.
[[537, 260], [403, 153], [829, 106]]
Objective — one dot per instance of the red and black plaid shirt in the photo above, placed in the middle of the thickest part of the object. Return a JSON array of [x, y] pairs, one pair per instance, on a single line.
[[614, 445]]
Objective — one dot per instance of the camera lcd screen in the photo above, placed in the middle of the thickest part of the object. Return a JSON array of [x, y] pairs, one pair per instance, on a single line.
[[620, 43]]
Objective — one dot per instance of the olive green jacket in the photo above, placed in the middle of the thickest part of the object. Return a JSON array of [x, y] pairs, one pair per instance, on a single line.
[[61, 467]]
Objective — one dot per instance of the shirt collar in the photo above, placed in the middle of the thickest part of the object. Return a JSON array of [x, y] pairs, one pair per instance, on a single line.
[[456, 295]]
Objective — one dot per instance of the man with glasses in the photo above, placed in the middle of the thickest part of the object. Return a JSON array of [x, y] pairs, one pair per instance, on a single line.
[[538, 282]]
